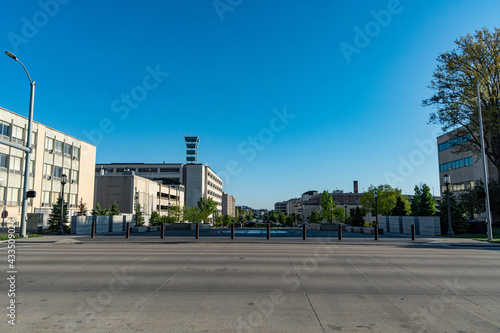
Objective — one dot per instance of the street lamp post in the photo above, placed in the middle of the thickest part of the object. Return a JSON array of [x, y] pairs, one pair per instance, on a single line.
[[345, 207], [27, 164], [447, 182], [376, 214], [64, 180]]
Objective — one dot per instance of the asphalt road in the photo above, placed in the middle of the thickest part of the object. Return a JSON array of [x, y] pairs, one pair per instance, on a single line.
[[252, 287]]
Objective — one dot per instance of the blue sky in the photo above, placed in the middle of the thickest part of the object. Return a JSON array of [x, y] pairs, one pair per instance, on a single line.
[[279, 104]]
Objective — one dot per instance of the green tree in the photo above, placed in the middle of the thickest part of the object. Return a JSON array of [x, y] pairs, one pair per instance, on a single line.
[[227, 219], [338, 213], [458, 216], [191, 214], [139, 219], [475, 205], [423, 203], [289, 221], [387, 198], [455, 81], [315, 217], [155, 219], [114, 209], [55, 216], [98, 211], [175, 213], [206, 206], [357, 220], [402, 207], [248, 215], [326, 204]]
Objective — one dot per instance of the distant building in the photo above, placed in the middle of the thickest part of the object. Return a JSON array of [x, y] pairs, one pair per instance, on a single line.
[[280, 206], [228, 204], [198, 180], [53, 154], [464, 168], [128, 190]]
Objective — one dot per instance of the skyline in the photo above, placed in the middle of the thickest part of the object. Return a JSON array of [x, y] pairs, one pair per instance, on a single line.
[[286, 97]]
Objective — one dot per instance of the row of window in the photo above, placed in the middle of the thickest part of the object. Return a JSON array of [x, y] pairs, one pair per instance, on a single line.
[[454, 142], [14, 164], [58, 147], [463, 162], [14, 133], [214, 186], [214, 194], [217, 180], [462, 186], [50, 171], [148, 170], [12, 194], [50, 198]]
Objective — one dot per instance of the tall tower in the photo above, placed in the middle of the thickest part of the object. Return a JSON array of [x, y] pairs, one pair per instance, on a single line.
[[192, 143]]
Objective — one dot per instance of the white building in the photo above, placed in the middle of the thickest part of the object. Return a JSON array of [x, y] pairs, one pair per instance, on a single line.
[[53, 154]]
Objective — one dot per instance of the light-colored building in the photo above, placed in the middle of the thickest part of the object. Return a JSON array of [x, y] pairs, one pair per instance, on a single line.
[[464, 168], [53, 154], [280, 206], [228, 204], [198, 180], [128, 190]]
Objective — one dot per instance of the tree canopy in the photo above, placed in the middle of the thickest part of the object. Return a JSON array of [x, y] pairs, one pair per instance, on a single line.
[[476, 60], [206, 206], [387, 198]]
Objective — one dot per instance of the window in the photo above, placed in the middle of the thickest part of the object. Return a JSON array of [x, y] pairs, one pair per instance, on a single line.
[[444, 167], [148, 170], [55, 196], [12, 196], [45, 198], [4, 161], [74, 176], [76, 153], [72, 200], [169, 170], [67, 150], [33, 139], [59, 147], [49, 144], [468, 161], [47, 170], [17, 134], [57, 172], [4, 128], [32, 168], [15, 164]]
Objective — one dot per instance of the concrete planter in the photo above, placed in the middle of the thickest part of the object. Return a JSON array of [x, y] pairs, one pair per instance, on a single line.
[[138, 229]]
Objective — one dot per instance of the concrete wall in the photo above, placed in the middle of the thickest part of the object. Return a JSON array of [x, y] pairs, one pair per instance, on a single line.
[[82, 225], [424, 225]]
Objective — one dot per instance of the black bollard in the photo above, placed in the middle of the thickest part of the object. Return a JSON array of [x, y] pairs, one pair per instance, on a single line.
[[412, 232], [92, 232], [162, 230], [232, 230], [376, 231], [304, 231], [197, 230], [128, 230], [268, 231], [340, 231]]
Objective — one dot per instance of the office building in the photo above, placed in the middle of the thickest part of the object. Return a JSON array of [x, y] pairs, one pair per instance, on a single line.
[[54, 153], [228, 204], [127, 190]]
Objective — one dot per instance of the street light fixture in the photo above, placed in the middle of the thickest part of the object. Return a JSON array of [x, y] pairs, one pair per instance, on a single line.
[[27, 164], [447, 182], [64, 180]]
